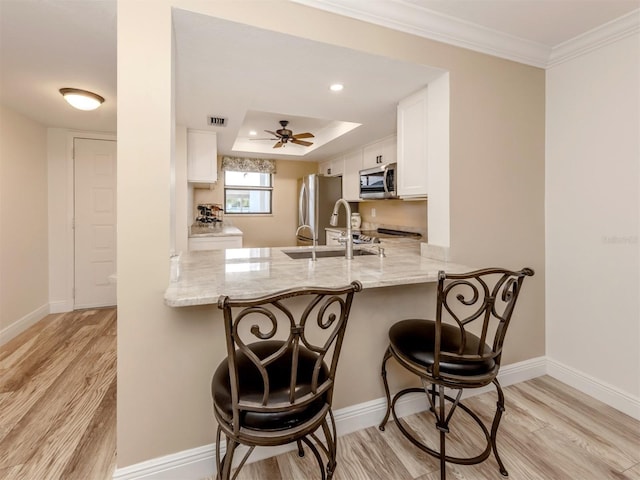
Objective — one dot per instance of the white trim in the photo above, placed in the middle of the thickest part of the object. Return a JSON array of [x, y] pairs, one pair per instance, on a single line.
[[595, 388], [198, 463], [61, 306], [596, 38], [20, 325], [437, 26]]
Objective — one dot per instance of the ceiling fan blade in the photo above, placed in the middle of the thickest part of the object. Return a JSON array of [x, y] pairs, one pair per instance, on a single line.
[[301, 142], [264, 139], [273, 133], [303, 135], [278, 145]]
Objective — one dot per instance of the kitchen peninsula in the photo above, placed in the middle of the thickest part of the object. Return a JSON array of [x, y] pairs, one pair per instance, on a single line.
[[199, 278]]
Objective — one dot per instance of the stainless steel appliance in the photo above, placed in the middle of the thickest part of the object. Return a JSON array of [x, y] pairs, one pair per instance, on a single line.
[[317, 195], [379, 182]]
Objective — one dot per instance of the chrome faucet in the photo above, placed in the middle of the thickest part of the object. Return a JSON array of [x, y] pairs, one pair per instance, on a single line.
[[348, 253]]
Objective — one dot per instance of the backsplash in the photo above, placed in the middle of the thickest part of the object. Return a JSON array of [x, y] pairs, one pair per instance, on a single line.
[[396, 215]]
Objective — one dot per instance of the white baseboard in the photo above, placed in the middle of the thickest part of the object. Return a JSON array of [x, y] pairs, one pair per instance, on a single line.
[[23, 323], [199, 463], [61, 306], [595, 388]]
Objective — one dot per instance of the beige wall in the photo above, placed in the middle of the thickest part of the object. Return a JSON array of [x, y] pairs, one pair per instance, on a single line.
[[23, 222], [166, 356], [593, 214], [273, 230]]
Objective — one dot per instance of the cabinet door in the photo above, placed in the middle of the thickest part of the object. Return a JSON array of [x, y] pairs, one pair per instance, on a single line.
[[351, 176], [380, 153], [324, 168], [202, 157], [412, 145], [215, 243], [332, 168], [333, 236], [337, 166]]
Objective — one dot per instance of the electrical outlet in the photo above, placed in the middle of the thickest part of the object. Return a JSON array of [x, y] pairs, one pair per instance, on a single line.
[[373, 213]]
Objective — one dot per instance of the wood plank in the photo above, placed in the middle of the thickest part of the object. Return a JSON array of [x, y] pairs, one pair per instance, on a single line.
[[586, 426], [98, 443], [368, 450], [14, 406], [66, 403], [416, 461], [634, 472], [535, 441], [26, 336]]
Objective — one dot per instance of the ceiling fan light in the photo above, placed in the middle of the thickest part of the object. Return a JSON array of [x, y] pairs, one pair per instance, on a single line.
[[81, 99]]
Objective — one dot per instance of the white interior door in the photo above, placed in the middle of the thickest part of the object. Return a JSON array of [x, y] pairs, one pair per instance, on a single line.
[[95, 222]]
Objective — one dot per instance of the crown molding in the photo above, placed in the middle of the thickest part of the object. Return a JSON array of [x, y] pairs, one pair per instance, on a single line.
[[409, 18], [596, 38]]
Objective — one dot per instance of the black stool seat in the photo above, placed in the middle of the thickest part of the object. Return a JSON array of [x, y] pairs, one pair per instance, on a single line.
[[276, 385], [447, 358], [413, 340], [279, 374]]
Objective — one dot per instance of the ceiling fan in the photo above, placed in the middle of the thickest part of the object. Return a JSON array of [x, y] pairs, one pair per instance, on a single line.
[[284, 135]]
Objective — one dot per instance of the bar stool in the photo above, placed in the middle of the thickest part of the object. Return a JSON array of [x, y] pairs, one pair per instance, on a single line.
[[276, 385], [445, 354]]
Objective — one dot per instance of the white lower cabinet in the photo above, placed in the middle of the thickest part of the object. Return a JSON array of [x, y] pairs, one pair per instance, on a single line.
[[215, 243], [333, 236]]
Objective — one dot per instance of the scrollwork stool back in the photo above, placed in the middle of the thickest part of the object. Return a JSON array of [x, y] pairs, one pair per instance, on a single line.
[[461, 349], [276, 385]]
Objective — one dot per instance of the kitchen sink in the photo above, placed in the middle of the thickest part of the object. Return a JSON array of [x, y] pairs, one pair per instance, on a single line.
[[296, 254]]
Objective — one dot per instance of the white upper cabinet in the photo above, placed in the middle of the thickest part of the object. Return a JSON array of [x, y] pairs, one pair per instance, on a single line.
[[202, 157], [412, 145], [380, 153], [351, 175], [333, 167]]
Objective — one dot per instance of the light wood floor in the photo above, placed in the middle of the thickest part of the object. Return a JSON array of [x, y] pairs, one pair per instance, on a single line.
[[58, 399], [549, 432], [58, 413]]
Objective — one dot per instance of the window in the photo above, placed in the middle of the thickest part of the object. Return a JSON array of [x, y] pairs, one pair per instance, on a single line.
[[247, 192]]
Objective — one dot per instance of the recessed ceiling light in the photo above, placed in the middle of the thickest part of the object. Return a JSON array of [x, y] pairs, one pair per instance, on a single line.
[[81, 99], [336, 87], [253, 133]]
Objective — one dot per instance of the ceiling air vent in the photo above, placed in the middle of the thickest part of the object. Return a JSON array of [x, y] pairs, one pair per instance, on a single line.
[[217, 121]]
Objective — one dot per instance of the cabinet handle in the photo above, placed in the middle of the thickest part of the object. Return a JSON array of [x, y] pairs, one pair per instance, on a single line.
[[328, 171]]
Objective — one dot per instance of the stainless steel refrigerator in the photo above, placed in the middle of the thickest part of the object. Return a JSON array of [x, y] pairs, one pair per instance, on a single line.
[[317, 195]]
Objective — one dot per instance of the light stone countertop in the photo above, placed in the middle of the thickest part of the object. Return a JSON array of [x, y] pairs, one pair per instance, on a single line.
[[200, 277]]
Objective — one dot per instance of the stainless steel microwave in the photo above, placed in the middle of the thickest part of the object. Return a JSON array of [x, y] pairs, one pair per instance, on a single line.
[[379, 182]]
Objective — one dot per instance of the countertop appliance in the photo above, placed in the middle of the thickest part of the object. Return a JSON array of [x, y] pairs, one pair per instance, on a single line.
[[317, 195], [379, 182]]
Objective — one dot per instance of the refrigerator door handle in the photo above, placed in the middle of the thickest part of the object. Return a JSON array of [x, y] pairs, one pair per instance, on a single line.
[[301, 199]]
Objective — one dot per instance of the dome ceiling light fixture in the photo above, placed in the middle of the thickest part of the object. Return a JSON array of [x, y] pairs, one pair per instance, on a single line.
[[81, 99]]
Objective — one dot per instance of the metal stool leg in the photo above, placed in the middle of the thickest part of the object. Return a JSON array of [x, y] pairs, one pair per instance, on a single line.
[[495, 425], [387, 356]]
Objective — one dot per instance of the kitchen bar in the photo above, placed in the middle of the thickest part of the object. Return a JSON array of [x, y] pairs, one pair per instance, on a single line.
[[199, 278]]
